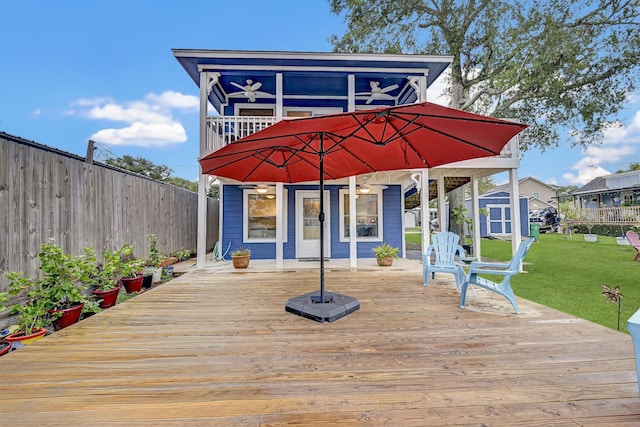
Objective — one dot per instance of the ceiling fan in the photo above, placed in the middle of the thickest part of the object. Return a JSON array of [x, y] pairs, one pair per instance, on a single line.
[[377, 92], [250, 90]]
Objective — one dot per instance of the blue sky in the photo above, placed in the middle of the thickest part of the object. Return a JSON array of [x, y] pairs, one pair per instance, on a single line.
[[75, 70]]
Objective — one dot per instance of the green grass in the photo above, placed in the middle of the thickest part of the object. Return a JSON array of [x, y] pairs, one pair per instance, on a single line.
[[568, 274]]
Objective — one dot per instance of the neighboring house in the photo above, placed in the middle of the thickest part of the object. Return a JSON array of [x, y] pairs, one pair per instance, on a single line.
[[619, 189], [541, 195], [251, 90]]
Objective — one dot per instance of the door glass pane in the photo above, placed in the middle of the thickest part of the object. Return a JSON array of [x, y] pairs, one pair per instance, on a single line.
[[311, 223]]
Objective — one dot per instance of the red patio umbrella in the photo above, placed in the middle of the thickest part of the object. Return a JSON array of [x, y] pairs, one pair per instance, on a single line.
[[411, 136]]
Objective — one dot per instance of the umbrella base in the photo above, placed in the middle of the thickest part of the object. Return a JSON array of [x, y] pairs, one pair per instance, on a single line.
[[334, 306]]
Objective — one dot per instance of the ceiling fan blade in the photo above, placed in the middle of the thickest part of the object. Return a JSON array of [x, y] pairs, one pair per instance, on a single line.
[[369, 100], [384, 96], [256, 86], [237, 85], [389, 88]]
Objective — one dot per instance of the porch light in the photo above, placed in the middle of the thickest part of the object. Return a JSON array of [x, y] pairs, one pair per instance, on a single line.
[[262, 190], [365, 190]]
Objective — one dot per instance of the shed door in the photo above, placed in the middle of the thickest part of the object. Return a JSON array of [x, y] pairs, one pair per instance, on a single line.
[[499, 219]]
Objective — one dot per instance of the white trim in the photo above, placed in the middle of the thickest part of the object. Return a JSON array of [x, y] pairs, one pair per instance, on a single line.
[[315, 111], [252, 106], [378, 238], [245, 219], [253, 54], [502, 221]]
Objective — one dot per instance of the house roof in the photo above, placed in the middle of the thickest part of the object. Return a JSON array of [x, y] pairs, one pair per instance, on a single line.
[[595, 185], [520, 181], [307, 74], [616, 181]]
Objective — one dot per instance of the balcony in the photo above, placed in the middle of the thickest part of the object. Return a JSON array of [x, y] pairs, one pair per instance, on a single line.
[[222, 130]]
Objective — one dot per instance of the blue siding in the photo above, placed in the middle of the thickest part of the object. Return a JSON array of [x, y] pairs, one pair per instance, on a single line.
[[233, 220]]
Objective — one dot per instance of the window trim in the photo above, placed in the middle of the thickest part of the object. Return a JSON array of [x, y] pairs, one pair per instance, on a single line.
[[377, 238], [245, 218]]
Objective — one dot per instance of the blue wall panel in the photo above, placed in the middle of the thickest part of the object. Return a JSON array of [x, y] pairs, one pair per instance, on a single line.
[[233, 221]]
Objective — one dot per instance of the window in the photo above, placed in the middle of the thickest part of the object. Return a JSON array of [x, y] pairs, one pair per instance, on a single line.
[[260, 217], [536, 194], [368, 212]]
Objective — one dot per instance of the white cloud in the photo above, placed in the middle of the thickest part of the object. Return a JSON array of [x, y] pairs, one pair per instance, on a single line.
[[145, 123], [172, 99], [437, 91]]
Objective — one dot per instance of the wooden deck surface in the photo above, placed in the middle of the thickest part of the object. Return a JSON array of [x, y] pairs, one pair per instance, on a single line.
[[217, 348]]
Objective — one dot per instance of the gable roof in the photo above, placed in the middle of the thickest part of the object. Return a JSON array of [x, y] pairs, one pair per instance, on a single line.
[[520, 181]]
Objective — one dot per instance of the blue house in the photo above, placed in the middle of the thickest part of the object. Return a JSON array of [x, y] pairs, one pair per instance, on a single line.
[[242, 92]]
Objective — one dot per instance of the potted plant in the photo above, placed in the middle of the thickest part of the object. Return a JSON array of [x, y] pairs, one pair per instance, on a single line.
[[155, 260], [385, 253], [589, 237], [33, 315], [129, 270], [106, 278], [241, 257], [65, 284]]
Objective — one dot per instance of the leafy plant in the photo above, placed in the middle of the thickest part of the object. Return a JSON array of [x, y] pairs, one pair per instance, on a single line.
[[241, 252], [155, 257], [384, 250], [33, 314], [182, 254], [116, 265], [613, 295]]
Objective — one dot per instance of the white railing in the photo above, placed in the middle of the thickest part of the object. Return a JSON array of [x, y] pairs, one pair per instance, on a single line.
[[610, 215], [223, 130]]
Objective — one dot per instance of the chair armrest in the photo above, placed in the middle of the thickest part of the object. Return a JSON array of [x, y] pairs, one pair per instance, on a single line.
[[475, 265], [430, 249], [461, 252]]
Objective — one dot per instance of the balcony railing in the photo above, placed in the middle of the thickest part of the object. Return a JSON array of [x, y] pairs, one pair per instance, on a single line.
[[610, 215], [223, 130]]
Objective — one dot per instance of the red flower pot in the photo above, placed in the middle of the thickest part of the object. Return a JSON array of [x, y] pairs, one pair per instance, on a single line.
[[25, 339], [67, 317], [107, 298], [5, 347], [132, 285]]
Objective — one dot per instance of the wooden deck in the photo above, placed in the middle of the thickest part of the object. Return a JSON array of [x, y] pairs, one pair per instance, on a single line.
[[217, 348]]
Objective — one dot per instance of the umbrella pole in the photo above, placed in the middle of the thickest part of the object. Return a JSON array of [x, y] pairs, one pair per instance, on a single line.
[[321, 218]]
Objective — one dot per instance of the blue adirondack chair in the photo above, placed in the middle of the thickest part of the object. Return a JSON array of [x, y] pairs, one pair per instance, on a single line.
[[507, 270], [445, 245]]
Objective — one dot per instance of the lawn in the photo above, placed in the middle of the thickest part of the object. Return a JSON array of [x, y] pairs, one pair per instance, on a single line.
[[568, 274]]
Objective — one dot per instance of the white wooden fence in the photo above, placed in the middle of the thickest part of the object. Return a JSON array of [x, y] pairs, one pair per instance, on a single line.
[[46, 193]]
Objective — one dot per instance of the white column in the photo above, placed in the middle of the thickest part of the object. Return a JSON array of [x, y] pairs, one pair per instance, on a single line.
[[514, 190], [351, 92], [279, 225], [202, 180], [424, 208], [353, 234], [475, 218], [443, 218], [423, 88], [279, 96]]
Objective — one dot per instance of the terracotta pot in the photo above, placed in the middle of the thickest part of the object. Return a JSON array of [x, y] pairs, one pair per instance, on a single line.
[[20, 337], [107, 298], [68, 316], [169, 261], [132, 284], [385, 261], [5, 347], [241, 261]]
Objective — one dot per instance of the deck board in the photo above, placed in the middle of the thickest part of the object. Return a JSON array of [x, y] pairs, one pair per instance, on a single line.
[[217, 348]]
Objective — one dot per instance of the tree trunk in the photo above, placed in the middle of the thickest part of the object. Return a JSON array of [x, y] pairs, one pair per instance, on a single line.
[[456, 198]]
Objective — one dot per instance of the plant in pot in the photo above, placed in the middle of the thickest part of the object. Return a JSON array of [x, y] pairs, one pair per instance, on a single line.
[[106, 278], [385, 254], [154, 263], [241, 257], [129, 269], [64, 285], [31, 310], [5, 346]]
